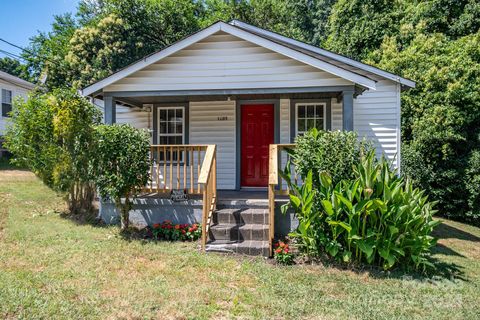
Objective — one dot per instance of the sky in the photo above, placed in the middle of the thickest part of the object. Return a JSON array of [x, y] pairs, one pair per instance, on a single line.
[[22, 19]]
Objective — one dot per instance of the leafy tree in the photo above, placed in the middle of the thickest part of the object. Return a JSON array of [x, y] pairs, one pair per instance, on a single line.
[[356, 27], [320, 16], [15, 68], [453, 18], [117, 33], [441, 116], [121, 165], [47, 51], [52, 135]]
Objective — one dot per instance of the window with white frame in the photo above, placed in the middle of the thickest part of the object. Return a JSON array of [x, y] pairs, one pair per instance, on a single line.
[[171, 125], [310, 115], [6, 102]]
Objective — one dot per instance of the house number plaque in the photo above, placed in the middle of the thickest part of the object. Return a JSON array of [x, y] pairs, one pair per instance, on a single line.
[[178, 195], [224, 118]]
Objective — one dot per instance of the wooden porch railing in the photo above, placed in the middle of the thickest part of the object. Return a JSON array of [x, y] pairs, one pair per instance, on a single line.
[[275, 183], [208, 179], [189, 167], [175, 167]]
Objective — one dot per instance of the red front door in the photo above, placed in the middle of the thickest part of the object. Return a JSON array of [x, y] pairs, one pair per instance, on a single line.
[[257, 135]]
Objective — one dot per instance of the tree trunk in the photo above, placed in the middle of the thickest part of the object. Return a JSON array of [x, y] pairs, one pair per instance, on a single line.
[[124, 212]]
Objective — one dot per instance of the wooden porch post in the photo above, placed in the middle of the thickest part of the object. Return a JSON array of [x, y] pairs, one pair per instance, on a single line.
[[110, 110], [347, 116]]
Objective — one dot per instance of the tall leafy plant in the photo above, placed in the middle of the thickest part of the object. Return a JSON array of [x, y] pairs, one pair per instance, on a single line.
[[52, 134], [374, 218], [121, 165]]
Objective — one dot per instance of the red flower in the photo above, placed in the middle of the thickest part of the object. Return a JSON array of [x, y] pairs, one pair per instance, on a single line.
[[156, 225], [183, 231], [286, 250], [195, 226], [278, 250], [190, 230], [177, 226]]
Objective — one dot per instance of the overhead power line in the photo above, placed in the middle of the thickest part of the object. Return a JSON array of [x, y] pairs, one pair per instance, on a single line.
[[16, 46], [11, 55]]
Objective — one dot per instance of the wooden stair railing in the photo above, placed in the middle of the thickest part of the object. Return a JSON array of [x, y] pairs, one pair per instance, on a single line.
[[275, 185], [208, 179]]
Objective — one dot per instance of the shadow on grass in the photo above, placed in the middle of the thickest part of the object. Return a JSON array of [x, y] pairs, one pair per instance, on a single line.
[[84, 218], [441, 271], [91, 219], [445, 231]]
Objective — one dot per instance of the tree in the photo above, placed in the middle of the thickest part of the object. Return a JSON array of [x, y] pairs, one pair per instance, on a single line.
[[47, 51], [52, 134], [121, 165], [355, 27], [15, 68], [441, 116]]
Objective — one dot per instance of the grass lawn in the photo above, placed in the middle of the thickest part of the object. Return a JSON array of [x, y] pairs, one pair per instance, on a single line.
[[53, 267]]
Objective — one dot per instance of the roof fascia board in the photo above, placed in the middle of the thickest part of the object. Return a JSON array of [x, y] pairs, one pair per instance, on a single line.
[[16, 81], [326, 53], [98, 86], [223, 92], [294, 54]]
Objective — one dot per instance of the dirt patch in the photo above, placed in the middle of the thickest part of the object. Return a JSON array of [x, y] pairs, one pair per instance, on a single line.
[[3, 211], [15, 173]]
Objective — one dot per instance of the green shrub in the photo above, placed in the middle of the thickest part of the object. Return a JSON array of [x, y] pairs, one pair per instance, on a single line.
[[334, 152], [376, 218], [52, 134], [121, 165]]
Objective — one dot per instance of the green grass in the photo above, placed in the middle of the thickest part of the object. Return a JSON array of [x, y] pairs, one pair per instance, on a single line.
[[53, 267]]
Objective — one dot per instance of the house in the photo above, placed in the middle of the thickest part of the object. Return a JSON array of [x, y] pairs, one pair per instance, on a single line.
[[222, 104], [10, 87]]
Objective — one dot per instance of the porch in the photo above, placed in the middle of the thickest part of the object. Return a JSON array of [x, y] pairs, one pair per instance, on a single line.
[[243, 221], [224, 149]]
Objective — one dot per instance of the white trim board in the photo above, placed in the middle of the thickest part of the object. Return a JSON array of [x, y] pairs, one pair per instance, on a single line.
[[240, 33]]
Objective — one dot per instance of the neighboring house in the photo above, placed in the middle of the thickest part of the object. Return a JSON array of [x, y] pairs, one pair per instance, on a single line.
[[10, 88], [242, 89]]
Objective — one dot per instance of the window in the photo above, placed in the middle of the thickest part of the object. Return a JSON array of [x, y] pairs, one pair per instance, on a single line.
[[310, 115], [171, 125], [171, 130], [6, 102]]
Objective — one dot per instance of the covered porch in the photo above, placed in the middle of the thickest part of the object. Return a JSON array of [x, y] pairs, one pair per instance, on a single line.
[[212, 147]]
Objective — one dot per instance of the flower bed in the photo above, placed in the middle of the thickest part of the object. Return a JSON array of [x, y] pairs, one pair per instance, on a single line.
[[174, 232], [283, 254]]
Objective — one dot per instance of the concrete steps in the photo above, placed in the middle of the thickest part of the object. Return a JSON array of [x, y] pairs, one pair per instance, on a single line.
[[241, 228]]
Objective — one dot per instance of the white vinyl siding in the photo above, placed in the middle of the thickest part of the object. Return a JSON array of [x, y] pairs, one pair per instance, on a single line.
[[377, 117], [16, 91], [336, 114], [223, 61], [134, 116], [284, 120], [206, 128]]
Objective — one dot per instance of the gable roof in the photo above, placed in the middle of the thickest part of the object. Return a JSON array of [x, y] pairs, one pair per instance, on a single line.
[[7, 77], [325, 55], [258, 36]]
